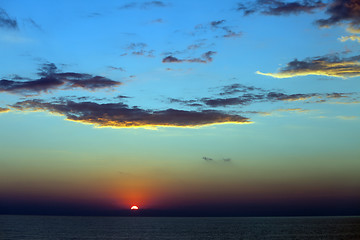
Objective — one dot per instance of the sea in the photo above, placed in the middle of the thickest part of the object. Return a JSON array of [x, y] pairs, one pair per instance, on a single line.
[[62, 227]]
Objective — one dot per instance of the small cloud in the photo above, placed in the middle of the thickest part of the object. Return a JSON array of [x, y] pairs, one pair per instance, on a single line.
[[138, 49], [347, 117], [158, 20], [205, 58], [116, 68], [352, 38], [4, 110], [207, 159], [227, 159], [34, 24], [144, 5], [6, 21], [217, 23]]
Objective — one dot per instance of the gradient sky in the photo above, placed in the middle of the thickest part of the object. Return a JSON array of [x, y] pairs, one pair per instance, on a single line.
[[192, 107]]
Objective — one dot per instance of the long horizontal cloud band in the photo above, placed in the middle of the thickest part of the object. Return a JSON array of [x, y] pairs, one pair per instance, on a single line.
[[325, 66], [120, 115]]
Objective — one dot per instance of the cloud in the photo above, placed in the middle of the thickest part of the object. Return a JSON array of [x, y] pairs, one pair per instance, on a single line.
[[120, 115], [274, 96], [277, 7], [237, 88], [144, 5], [205, 58], [4, 110], [138, 49], [217, 23], [330, 65], [342, 11], [223, 102], [117, 68], [158, 20], [250, 95], [215, 26], [352, 38], [51, 78], [6, 21], [34, 24], [347, 117], [207, 159]]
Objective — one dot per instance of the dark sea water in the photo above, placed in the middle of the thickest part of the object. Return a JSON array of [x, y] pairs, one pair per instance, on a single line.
[[54, 227]]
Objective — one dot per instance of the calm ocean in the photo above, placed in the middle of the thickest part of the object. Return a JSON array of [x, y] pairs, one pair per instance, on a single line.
[[54, 227]]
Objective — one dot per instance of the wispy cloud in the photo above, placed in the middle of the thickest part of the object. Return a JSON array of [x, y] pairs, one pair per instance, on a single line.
[[116, 68], [120, 115], [352, 38], [138, 49], [33, 24], [329, 65], [217, 26], [242, 95], [277, 7], [205, 58], [144, 5], [347, 117], [51, 78], [6, 21]]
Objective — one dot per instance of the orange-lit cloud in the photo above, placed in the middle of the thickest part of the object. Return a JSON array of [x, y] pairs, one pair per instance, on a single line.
[[4, 110], [332, 66], [352, 38], [119, 115], [347, 117]]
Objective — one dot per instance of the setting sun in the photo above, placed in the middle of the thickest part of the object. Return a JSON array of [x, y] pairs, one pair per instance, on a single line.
[[134, 208]]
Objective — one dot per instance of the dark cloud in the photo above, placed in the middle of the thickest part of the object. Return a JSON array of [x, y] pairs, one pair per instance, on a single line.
[[117, 68], [227, 159], [237, 88], [342, 11], [144, 5], [222, 102], [207, 159], [277, 7], [121, 115], [250, 95], [276, 96], [51, 78], [217, 23], [122, 97], [190, 103], [6, 21], [205, 58], [230, 33], [329, 65]]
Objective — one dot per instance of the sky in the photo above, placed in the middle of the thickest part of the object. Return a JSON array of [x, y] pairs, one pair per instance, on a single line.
[[183, 108]]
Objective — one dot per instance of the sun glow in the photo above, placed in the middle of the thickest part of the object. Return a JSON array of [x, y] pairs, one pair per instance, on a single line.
[[134, 208]]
